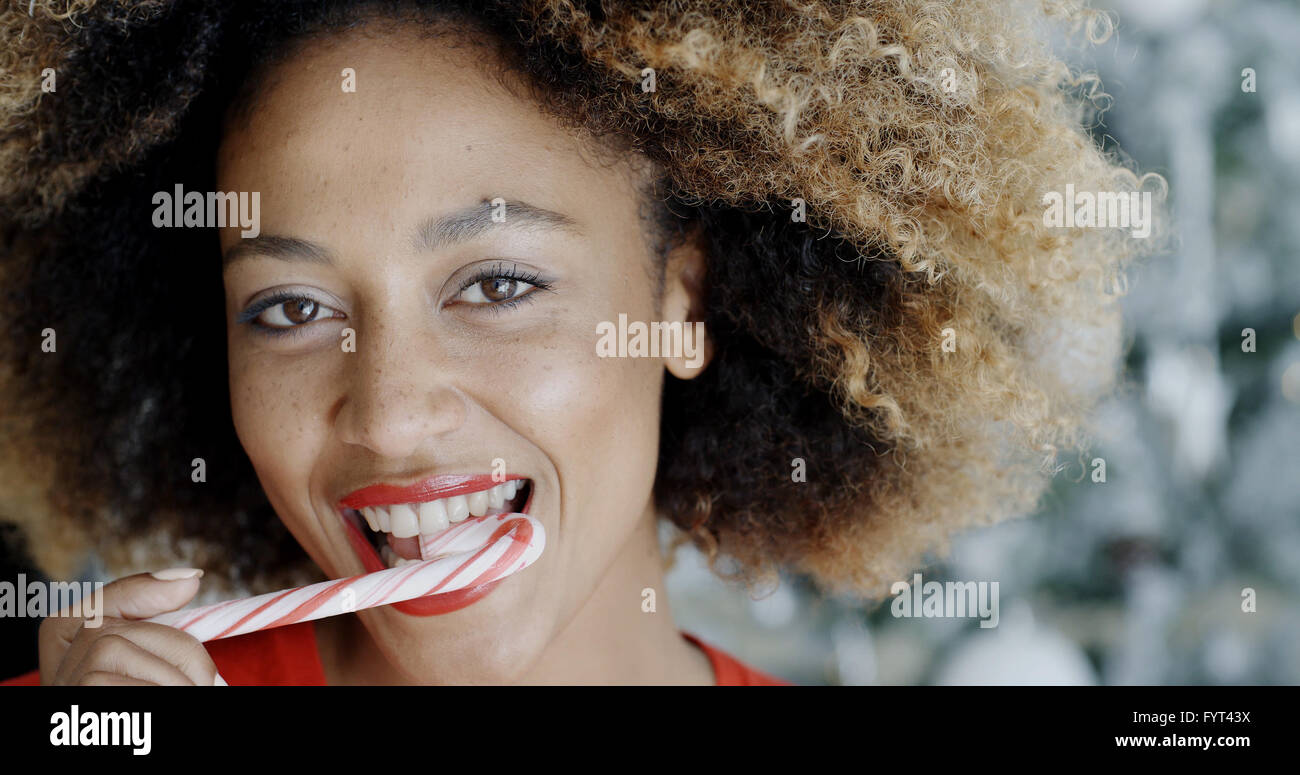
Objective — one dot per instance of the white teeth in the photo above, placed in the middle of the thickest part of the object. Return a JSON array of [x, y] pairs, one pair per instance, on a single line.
[[457, 508], [407, 520], [433, 517], [405, 524]]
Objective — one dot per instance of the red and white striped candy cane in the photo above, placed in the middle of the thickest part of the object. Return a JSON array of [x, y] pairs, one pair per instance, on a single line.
[[477, 551]]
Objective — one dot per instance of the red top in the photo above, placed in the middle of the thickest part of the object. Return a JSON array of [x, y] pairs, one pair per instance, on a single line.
[[287, 656]]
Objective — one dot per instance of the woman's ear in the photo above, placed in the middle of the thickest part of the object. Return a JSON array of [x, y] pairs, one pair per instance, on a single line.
[[684, 299]]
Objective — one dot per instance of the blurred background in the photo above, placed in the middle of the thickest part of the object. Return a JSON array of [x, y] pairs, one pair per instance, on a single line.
[[1138, 579]]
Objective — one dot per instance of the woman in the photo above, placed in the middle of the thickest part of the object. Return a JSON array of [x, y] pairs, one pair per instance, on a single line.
[[455, 202]]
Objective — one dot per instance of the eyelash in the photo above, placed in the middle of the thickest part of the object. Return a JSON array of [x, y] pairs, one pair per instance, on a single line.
[[498, 271], [251, 314]]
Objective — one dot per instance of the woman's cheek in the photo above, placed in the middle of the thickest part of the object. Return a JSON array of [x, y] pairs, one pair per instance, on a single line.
[[578, 399], [273, 407], [597, 421]]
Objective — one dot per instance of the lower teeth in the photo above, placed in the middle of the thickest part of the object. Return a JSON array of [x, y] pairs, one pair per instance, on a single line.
[[392, 559]]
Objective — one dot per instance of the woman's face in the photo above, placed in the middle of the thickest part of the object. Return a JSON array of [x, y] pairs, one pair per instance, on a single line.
[[474, 344]]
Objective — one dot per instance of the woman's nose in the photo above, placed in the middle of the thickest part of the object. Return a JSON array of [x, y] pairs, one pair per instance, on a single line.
[[399, 395]]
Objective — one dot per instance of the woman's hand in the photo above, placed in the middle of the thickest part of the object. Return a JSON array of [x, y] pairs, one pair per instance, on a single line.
[[122, 652]]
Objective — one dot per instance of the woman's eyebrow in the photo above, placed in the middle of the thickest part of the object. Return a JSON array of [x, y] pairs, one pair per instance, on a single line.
[[468, 223], [283, 248], [440, 231]]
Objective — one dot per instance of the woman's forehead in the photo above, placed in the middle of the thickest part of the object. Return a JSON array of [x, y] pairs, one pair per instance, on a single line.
[[362, 90], [392, 112]]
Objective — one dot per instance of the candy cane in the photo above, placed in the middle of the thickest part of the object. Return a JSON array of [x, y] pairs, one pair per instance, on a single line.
[[477, 551]]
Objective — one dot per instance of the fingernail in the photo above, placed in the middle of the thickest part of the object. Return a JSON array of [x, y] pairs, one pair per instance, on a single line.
[[219, 681], [176, 574]]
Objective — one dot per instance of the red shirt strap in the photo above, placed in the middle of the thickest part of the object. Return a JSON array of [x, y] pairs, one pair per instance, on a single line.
[[729, 671]]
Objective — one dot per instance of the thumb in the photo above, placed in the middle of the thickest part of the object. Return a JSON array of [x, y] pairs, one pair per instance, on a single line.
[[149, 594]]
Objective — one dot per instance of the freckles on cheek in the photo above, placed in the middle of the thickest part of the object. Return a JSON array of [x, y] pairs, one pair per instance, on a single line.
[[270, 408]]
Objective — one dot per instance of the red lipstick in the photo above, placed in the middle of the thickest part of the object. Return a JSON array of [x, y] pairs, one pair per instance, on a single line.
[[430, 489]]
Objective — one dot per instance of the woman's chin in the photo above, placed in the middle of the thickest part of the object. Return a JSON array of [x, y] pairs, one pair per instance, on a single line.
[[477, 635]]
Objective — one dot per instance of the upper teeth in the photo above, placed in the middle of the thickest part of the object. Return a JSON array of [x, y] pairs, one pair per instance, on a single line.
[[406, 520]]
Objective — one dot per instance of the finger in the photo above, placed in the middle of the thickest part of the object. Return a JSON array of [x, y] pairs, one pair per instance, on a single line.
[[100, 678], [133, 597], [112, 653], [173, 646], [178, 648]]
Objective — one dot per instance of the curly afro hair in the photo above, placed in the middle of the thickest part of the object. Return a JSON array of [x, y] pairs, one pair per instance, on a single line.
[[889, 310]]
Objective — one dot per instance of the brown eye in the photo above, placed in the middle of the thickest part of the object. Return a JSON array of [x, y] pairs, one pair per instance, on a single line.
[[293, 313], [495, 290], [498, 288], [300, 311]]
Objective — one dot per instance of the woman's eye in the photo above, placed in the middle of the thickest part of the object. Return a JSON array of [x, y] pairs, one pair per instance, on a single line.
[[495, 290], [294, 312]]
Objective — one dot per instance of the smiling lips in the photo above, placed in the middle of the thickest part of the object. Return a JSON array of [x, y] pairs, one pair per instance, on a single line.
[[400, 518]]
